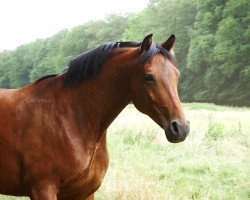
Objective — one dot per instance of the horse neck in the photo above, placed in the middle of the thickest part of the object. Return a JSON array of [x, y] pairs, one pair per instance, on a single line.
[[101, 99]]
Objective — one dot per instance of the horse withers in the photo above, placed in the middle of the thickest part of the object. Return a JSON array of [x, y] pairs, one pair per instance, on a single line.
[[53, 131]]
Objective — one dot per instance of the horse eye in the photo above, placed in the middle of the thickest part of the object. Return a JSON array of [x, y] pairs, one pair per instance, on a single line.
[[149, 78]]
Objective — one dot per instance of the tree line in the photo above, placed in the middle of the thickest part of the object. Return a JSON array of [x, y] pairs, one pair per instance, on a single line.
[[212, 48]]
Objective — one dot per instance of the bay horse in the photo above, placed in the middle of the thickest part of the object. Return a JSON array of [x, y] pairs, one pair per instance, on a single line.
[[53, 131]]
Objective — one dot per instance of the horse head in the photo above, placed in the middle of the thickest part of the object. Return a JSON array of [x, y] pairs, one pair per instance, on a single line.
[[154, 88]]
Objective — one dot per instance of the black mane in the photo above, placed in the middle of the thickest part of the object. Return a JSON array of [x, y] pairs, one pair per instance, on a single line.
[[87, 65], [45, 77]]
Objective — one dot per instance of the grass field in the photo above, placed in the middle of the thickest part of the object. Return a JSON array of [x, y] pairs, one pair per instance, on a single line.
[[213, 162]]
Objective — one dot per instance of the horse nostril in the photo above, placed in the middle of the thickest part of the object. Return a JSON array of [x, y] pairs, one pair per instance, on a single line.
[[174, 127]]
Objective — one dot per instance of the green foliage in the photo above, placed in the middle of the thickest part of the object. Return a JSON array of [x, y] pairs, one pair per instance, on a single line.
[[6, 61], [46, 57], [215, 130], [204, 79], [212, 48], [23, 64], [232, 51]]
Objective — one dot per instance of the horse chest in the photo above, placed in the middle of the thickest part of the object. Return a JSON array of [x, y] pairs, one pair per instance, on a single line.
[[89, 181], [97, 168]]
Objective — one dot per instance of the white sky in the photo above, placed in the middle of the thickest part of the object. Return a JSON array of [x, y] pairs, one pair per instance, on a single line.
[[23, 21]]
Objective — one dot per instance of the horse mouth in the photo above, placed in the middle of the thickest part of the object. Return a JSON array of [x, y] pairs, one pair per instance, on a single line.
[[174, 138], [177, 130]]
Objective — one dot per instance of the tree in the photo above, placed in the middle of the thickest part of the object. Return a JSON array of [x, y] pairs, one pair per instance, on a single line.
[[46, 59], [23, 62], [203, 82], [232, 53], [6, 61]]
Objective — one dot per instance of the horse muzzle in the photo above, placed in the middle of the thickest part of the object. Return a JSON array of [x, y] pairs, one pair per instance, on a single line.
[[177, 131]]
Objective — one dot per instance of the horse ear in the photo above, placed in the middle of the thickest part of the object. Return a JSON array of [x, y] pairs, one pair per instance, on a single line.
[[146, 43], [168, 45]]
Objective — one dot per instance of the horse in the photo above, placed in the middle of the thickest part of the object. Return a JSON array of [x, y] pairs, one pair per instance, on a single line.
[[53, 131]]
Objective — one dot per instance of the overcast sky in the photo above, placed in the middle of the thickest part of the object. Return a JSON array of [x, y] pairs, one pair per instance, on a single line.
[[23, 21]]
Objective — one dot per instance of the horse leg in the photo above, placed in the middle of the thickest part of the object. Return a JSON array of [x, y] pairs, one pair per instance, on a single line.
[[44, 192]]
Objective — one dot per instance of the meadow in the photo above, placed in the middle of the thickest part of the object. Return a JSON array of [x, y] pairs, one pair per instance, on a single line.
[[212, 163]]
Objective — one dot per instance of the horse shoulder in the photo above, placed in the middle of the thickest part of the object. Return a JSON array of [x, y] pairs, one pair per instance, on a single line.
[[88, 181]]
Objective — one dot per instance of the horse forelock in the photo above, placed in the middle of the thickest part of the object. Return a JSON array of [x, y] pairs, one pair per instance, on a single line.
[[155, 50]]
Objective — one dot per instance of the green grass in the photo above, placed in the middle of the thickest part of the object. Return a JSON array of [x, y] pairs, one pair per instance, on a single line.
[[212, 163]]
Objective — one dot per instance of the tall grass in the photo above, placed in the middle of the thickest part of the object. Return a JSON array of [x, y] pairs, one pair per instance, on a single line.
[[213, 162]]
